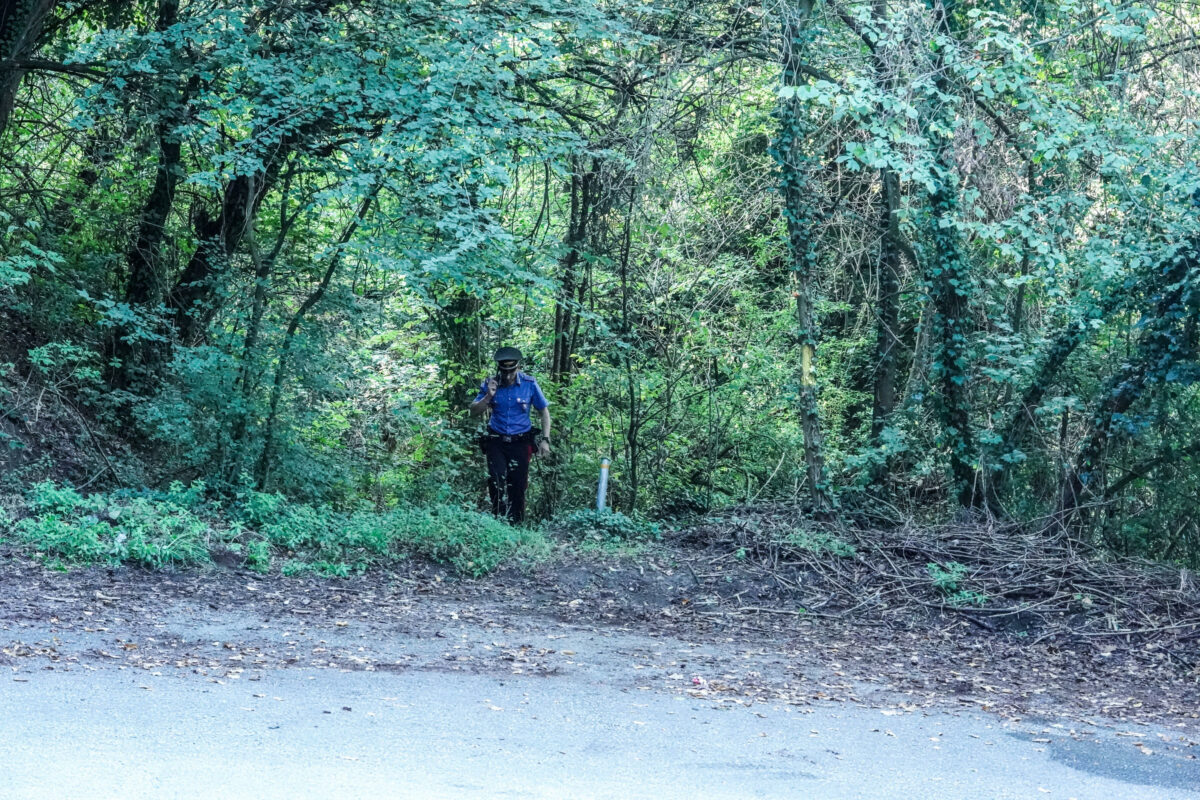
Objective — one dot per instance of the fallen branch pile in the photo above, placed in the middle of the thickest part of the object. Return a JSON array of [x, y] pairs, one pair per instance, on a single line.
[[1001, 578]]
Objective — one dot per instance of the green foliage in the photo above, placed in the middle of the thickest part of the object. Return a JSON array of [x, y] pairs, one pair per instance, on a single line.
[[471, 542], [946, 578], [153, 532], [271, 245], [329, 542], [47, 497], [179, 527], [22, 256], [322, 568], [949, 581], [821, 543], [258, 555], [607, 526]]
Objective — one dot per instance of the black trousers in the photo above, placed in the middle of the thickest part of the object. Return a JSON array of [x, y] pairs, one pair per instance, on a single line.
[[508, 475]]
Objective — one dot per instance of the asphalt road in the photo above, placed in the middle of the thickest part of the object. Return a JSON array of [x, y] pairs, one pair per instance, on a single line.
[[426, 733]]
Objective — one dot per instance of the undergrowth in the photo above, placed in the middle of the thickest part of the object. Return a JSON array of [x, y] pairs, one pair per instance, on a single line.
[[152, 529], [948, 580], [182, 527], [819, 542], [607, 526]]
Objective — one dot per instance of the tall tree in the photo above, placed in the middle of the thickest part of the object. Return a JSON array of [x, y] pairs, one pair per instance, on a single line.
[[801, 218], [948, 273]]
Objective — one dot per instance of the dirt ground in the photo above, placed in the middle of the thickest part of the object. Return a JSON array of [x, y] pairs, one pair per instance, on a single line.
[[232, 624]]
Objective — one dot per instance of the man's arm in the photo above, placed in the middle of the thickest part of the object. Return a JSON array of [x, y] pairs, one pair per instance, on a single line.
[[481, 404], [544, 447]]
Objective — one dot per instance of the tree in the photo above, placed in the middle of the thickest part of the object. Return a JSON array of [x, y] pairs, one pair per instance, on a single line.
[[21, 26], [801, 233]]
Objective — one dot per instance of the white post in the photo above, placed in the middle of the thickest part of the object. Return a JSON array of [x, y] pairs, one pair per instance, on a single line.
[[602, 490]]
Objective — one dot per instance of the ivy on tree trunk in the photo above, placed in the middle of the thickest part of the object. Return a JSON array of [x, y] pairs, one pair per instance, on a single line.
[[801, 219]]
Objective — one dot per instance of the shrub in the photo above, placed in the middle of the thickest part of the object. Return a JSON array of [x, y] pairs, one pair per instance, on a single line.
[[608, 525], [316, 535], [177, 527], [258, 555], [51, 535], [47, 497], [472, 543], [946, 579], [150, 532]]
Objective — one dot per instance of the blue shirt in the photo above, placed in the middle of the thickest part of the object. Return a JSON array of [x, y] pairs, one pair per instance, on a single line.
[[510, 405]]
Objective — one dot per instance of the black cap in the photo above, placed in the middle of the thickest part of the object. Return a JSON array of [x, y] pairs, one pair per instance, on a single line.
[[507, 354]]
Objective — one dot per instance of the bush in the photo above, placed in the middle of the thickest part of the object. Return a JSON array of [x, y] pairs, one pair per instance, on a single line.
[[608, 525], [472, 543], [48, 497], [179, 526], [150, 532], [318, 539], [258, 555]]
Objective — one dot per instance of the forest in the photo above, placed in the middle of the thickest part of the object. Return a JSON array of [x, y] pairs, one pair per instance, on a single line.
[[883, 261]]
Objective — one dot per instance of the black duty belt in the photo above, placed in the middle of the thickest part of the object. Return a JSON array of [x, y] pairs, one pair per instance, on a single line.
[[508, 438]]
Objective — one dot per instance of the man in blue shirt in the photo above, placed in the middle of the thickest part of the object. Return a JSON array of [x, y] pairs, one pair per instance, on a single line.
[[508, 397]]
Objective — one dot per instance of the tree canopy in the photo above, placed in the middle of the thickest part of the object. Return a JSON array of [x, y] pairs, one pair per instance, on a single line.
[[891, 258]]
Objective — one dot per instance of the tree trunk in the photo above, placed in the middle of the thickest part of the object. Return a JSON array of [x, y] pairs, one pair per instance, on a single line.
[[145, 287], [888, 322], [583, 198], [949, 282], [888, 271], [802, 247], [246, 385], [21, 24], [192, 300], [633, 429], [1048, 375]]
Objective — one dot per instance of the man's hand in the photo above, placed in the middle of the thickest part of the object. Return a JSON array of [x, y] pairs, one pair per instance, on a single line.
[[543, 449], [479, 407]]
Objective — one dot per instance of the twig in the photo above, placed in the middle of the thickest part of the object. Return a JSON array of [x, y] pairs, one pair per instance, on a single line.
[[1141, 631]]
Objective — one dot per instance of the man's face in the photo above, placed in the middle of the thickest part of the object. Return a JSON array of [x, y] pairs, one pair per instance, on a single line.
[[508, 366]]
